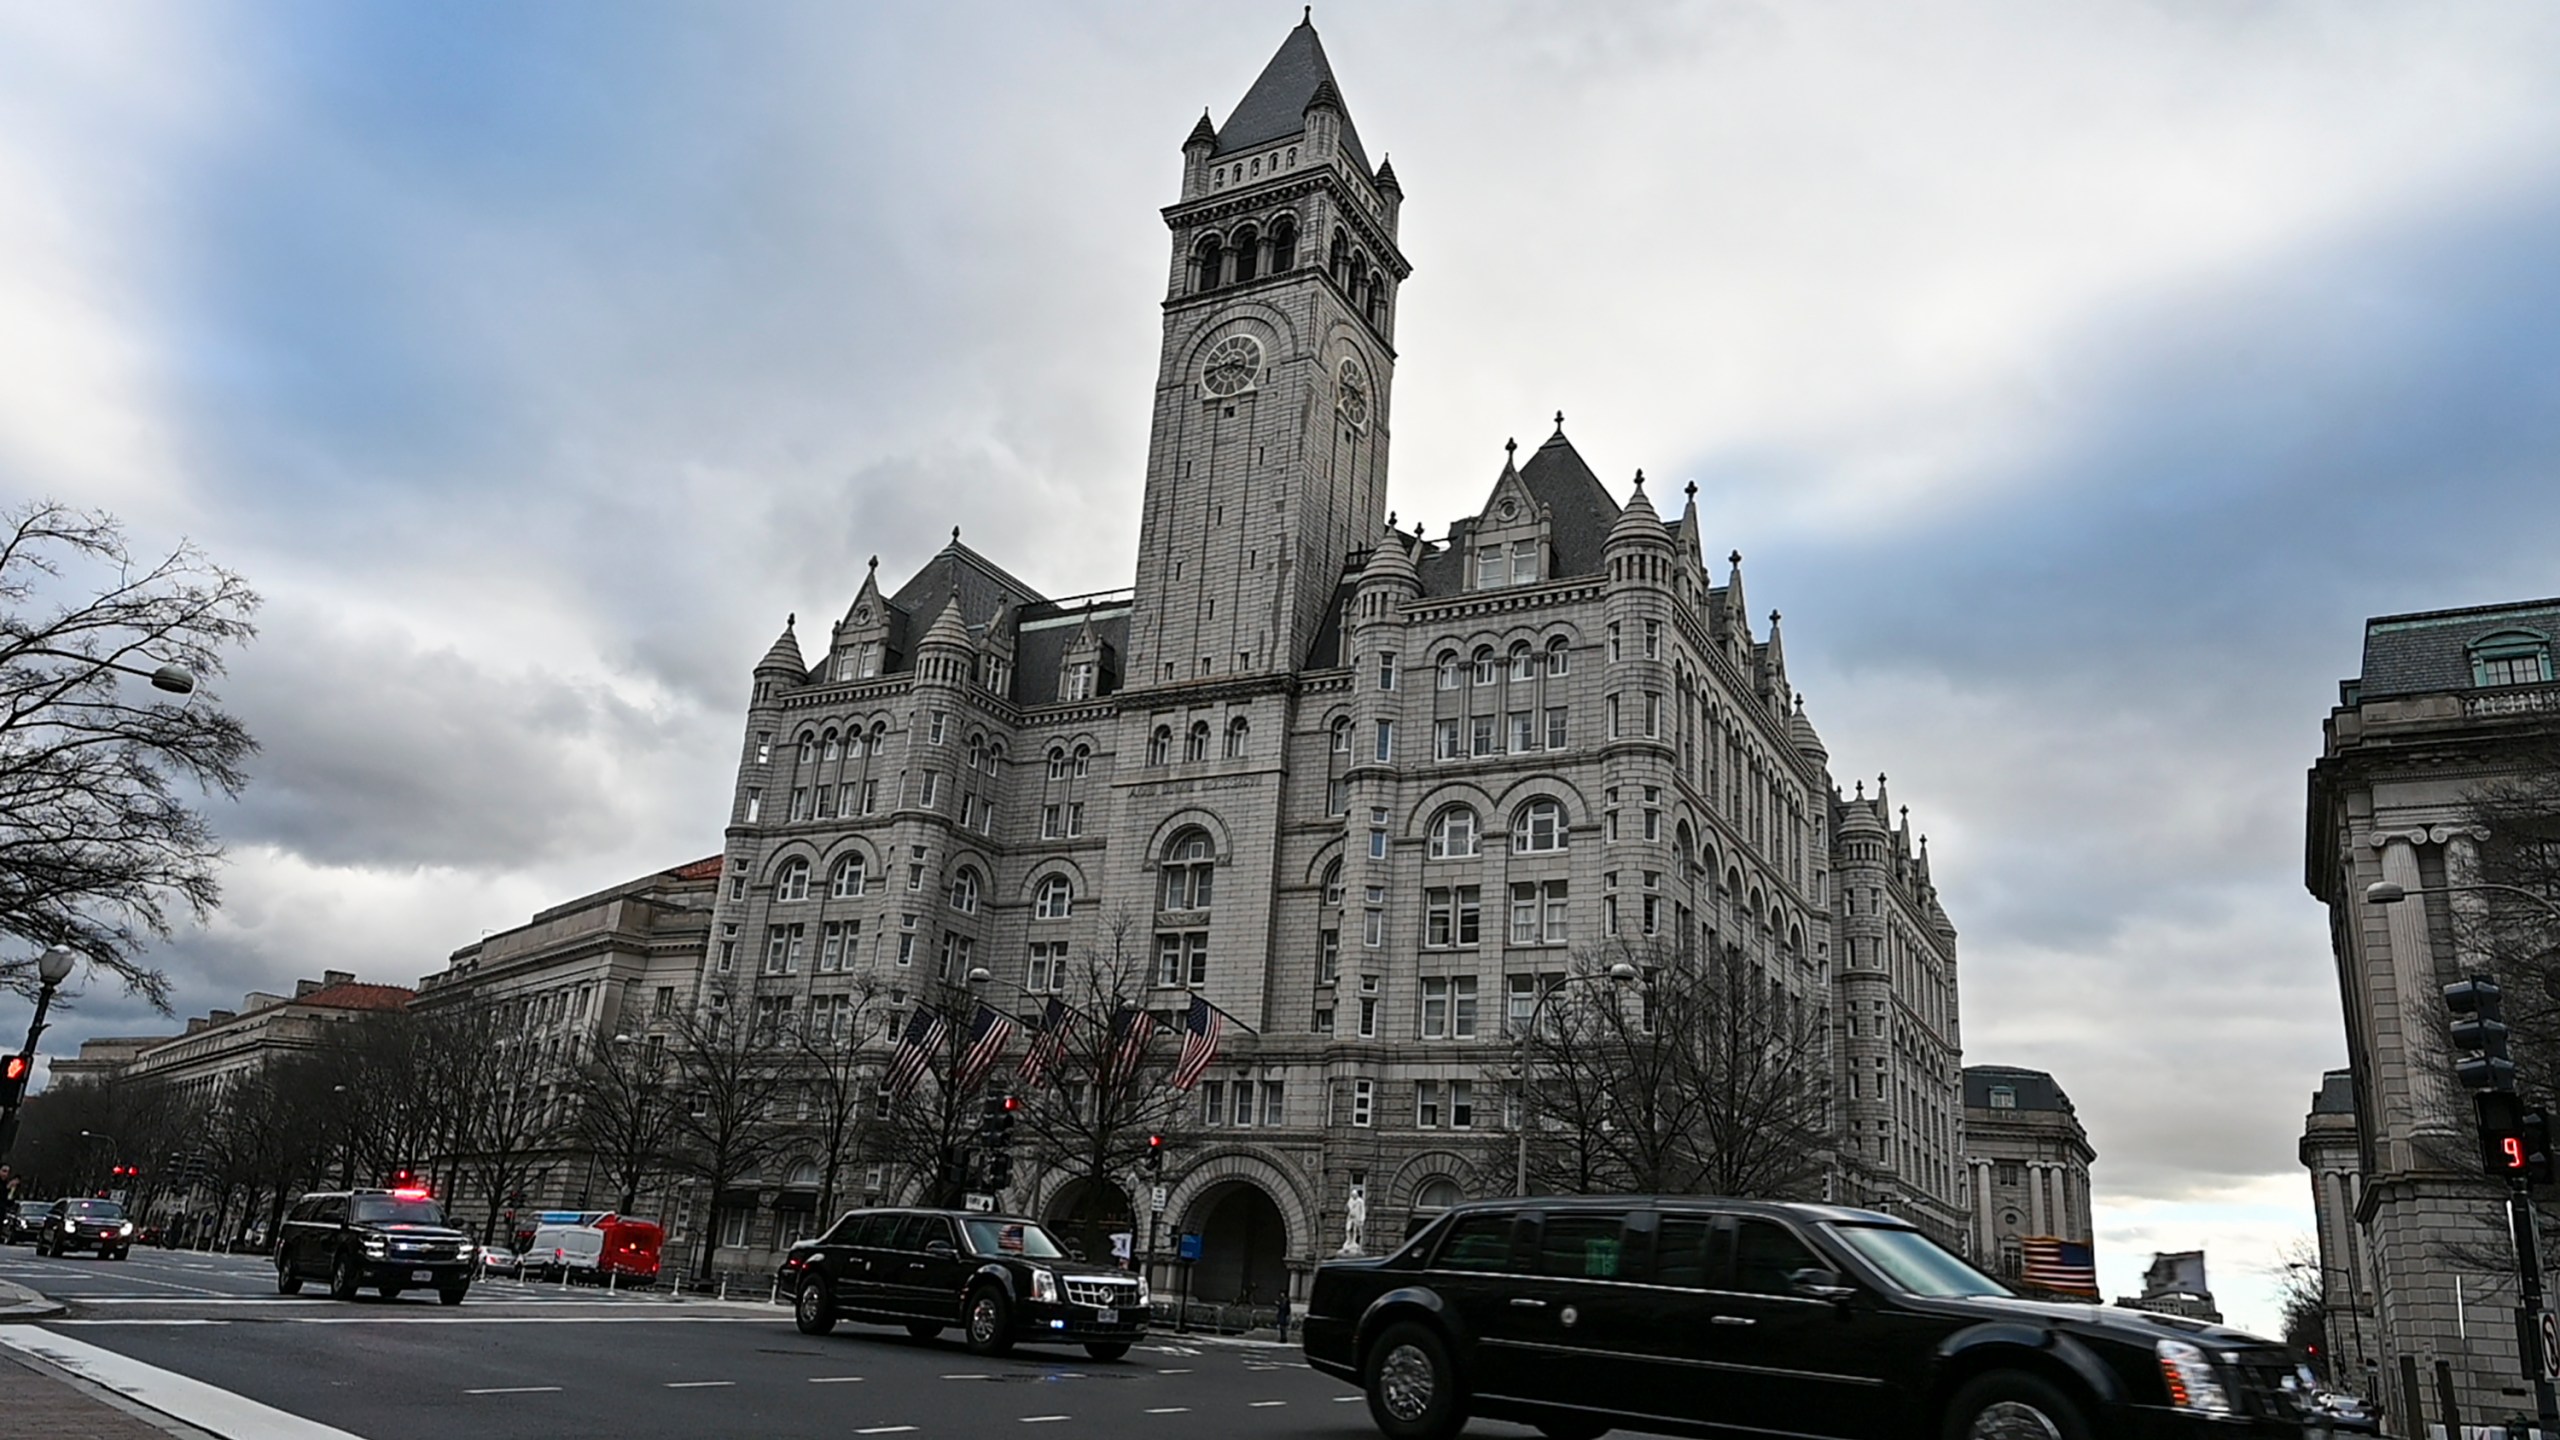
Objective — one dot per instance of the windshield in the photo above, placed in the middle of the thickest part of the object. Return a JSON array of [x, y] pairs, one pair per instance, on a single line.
[[1012, 1237], [97, 1209], [394, 1210], [34, 1207], [1914, 1262]]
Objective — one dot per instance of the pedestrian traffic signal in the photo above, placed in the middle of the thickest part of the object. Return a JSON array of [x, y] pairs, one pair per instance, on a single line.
[[2480, 1034], [2502, 1144], [13, 1079], [2536, 1129], [995, 1121], [999, 1170], [1155, 1154]]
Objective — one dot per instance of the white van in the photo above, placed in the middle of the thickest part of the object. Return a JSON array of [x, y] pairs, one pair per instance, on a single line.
[[575, 1251]]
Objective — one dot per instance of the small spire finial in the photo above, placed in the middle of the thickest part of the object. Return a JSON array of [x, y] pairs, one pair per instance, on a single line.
[[1559, 422], [1862, 789], [875, 562], [1308, 17], [1417, 529], [791, 619], [1391, 519], [1511, 446], [1639, 479], [1735, 557], [1773, 617], [955, 534], [1692, 491]]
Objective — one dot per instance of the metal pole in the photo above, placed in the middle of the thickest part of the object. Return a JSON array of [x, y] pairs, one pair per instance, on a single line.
[[2546, 1402], [9, 1116]]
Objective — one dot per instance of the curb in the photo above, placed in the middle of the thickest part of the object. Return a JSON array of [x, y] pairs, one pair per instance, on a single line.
[[17, 1302]]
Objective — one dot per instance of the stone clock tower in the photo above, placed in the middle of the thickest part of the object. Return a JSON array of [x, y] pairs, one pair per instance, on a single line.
[[1268, 460]]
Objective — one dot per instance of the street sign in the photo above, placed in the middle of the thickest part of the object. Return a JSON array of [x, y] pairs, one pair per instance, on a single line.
[[2550, 1343], [1189, 1248], [1123, 1245], [1157, 1200], [981, 1203]]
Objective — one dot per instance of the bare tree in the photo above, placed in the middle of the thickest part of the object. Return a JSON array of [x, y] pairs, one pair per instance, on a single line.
[[930, 1126], [841, 1081], [730, 1073], [1697, 1078], [498, 1114], [1094, 1112], [97, 844], [626, 1112]]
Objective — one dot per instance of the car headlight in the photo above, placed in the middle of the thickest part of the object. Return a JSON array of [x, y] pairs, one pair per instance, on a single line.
[[125, 1229], [465, 1250], [2194, 1385], [1044, 1285], [374, 1249]]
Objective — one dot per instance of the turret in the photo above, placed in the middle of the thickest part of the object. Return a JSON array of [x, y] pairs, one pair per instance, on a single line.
[[783, 660], [1196, 151]]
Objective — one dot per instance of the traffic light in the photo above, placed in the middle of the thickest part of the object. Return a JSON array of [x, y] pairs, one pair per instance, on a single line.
[[2480, 1034], [999, 1169], [955, 1171], [995, 1120], [13, 1079], [2536, 1129], [2502, 1142], [1155, 1155]]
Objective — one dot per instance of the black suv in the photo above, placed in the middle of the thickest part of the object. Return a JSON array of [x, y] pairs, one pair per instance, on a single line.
[[388, 1239], [1698, 1316], [98, 1225], [1002, 1279]]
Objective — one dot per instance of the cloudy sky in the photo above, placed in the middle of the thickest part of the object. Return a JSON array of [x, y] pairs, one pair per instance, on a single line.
[[2075, 378]]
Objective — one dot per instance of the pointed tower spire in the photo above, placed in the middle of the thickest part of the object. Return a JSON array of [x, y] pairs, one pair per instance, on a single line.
[[1297, 80], [784, 657]]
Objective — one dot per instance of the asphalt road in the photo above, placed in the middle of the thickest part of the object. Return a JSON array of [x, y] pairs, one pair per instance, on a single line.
[[540, 1363]]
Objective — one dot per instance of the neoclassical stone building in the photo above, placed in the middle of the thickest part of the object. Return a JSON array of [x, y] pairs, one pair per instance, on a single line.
[[2446, 702], [2330, 1150], [1363, 789], [2030, 1158]]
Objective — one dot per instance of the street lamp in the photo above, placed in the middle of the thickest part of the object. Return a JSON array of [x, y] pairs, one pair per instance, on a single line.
[[52, 968], [2392, 892], [176, 679], [1621, 973]]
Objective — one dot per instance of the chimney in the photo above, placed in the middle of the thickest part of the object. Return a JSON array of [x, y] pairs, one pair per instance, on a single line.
[[216, 1017], [337, 977], [304, 987]]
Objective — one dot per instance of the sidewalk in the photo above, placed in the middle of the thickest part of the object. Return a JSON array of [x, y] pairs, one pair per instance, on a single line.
[[40, 1402]]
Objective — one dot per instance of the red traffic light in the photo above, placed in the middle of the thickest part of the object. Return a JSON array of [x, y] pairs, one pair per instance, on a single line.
[[1155, 1142], [16, 1067], [1013, 1102]]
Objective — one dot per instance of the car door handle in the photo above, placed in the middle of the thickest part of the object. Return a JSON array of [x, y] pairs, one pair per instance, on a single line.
[[1524, 1303], [1733, 1320]]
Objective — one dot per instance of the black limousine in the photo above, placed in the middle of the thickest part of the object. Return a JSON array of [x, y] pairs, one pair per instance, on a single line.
[[1697, 1316]]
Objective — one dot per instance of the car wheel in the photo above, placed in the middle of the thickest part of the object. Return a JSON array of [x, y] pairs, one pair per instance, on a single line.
[[452, 1294], [1572, 1429], [815, 1310], [1413, 1387], [990, 1328], [390, 1292], [288, 1281], [923, 1331], [2012, 1405], [342, 1279], [1107, 1349]]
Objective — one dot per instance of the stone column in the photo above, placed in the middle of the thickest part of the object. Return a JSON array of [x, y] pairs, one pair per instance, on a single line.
[[1986, 1246], [2419, 1012], [2035, 1198]]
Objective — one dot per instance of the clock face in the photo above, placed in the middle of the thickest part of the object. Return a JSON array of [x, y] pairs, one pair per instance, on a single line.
[[1353, 401], [1234, 364]]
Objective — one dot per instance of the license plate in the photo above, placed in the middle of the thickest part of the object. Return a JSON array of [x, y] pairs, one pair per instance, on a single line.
[[421, 1277], [1107, 1317]]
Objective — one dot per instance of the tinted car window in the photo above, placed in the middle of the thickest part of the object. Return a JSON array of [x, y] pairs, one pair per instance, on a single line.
[[1681, 1255], [97, 1209], [1012, 1237], [331, 1209], [1765, 1253], [1584, 1244], [396, 1210], [937, 1228], [910, 1232], [1478, 1242], [871, 1231]]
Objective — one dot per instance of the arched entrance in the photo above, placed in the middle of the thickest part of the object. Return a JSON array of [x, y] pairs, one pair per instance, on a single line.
[[1243, 1245], [1085, 1212]]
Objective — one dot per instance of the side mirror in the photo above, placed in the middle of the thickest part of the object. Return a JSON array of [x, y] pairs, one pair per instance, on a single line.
[[939, 1247], [1821, 1285]]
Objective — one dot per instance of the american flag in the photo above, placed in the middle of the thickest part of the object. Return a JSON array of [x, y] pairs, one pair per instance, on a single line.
[[1199, 1043], [988, 1034], [2064, 1267], [1048, 1042], [916, 1049], [1131, 1029]]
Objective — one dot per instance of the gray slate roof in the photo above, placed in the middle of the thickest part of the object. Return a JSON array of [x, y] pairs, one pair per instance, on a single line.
[[2336, 1095], [1039, 651], [981, 584], [2428, 651], [2035, 1089], [1580, 514], [1276, 107]]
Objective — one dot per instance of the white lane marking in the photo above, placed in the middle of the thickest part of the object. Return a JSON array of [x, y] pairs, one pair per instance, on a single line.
[[1171, 1410], [1263, 1404], [1348, 1399], [207, 1407], [516, 1390], [699, 1384], [775, 1320], [1040, 1419], [1173, 1372], [833, 1379], [138, 1320], [968, 1377], [885, 1430]]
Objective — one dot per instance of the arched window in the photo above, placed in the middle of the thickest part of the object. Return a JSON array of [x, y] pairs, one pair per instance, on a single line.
[[1084, 760], [1055, 899], [978, 753], [1342, 735], [1195, 745], [1434, 1197], [1524, 662], [1338, 260], [1189, 870], [1057, 762], [964, 890], [791, 883], [1374, 303], [850, 879], [1238, 731], [1453, 833], [1160, 746], [1485, 666], [1333, 883], [1451, 671], [828, 742], [1284, 244], [1212, 263], [808, 747], [1538, 826], [1248, 250]]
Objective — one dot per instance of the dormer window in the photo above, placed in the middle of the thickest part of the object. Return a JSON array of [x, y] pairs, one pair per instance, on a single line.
[[2003, 1098], [2511, 657]]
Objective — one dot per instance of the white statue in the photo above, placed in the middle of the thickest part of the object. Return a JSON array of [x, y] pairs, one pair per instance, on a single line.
[[1355, 1219]]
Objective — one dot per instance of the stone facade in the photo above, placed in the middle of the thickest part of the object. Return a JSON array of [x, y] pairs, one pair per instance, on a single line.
[[2446, 701], [2330, 1151], [2030, 1160]]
